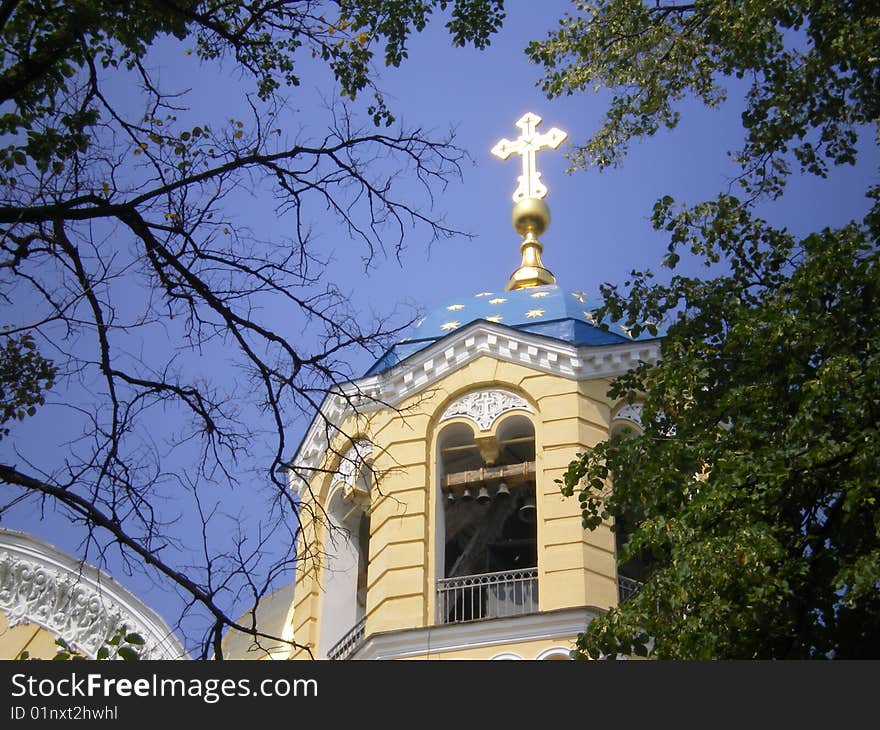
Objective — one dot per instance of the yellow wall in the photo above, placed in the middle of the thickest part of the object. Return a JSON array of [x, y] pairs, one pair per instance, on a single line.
[[39, 643], [523, 650], [575, 567]]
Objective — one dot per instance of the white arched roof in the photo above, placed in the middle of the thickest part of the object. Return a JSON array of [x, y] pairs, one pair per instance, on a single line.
[[43, 585]]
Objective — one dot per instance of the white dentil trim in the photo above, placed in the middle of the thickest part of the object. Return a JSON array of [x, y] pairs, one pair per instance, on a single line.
[[422, 369]]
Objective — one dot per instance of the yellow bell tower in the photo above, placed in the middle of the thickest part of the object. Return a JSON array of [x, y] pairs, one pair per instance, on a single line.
[[432, 525]]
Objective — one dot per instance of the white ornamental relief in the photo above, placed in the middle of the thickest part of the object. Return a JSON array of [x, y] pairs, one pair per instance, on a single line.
[[349, 468], [484, 407], [75, 607], [631, 412], [353, 460]]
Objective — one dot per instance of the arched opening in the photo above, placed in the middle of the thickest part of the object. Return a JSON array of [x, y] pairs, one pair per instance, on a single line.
[[632, 572], [487, 519], [344, 574]]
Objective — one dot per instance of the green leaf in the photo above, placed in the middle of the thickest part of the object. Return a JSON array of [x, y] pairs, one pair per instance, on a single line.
[[747, 504]]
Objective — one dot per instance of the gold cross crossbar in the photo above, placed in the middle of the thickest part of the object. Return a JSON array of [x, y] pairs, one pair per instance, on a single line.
[[528, 145]]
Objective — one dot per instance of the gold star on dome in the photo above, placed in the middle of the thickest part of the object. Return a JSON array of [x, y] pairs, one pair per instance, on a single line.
[[451, 325], [497, 300], [421, 322], [625, 331], [589, 317], [483, 294], [455, 307], [539, 295], [580, 296], [534, 313], [496, 318]]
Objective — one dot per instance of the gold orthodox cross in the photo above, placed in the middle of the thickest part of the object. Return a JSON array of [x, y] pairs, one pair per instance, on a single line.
[[528, 144]]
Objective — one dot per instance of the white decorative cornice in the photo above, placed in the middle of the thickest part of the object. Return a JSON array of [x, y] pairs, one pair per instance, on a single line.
[[453, 352], [484, 407], [558, 626], [479, 339], [76, 602]]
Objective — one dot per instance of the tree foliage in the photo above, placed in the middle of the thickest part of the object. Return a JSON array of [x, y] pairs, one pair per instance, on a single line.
[[811, 66], [123, 645], [25, 376], [755, 480], [129, 267]]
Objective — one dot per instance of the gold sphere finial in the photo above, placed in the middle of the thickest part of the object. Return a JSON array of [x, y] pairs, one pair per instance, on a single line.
[[530, 215], [530, 218]]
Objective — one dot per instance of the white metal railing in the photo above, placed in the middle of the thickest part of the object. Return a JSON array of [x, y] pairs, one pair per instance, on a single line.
[[487, 595], [349, 643], [627, 588]]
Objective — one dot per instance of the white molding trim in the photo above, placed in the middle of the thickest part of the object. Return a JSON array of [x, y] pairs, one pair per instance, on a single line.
[[484, 407], [435, 640], [451, 353], [554, 651], [75, 601], [503, 343]]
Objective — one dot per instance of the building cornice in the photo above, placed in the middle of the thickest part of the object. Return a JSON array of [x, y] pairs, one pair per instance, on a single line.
[[559, 625], [423, 369], [75, 601], [480, 338]]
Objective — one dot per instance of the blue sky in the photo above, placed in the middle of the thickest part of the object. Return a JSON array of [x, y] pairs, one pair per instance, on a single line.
[[600, 221], [600, 227]]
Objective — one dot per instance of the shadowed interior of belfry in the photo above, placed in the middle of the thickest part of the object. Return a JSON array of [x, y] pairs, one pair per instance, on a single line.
[[491, 549]]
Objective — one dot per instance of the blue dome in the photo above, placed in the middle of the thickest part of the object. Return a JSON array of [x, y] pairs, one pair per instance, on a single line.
[[544, 310]]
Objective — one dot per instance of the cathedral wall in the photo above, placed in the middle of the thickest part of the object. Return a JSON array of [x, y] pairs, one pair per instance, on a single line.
[[39, 643], [546, 649], [575, 567]]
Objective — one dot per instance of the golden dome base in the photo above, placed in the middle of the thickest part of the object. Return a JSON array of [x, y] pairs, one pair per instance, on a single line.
[[526, 276]]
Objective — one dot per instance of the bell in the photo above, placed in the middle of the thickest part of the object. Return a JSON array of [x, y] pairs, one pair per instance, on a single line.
[[466, 495], [483, 495], [503, 490], [527, 513], [450, 497]]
